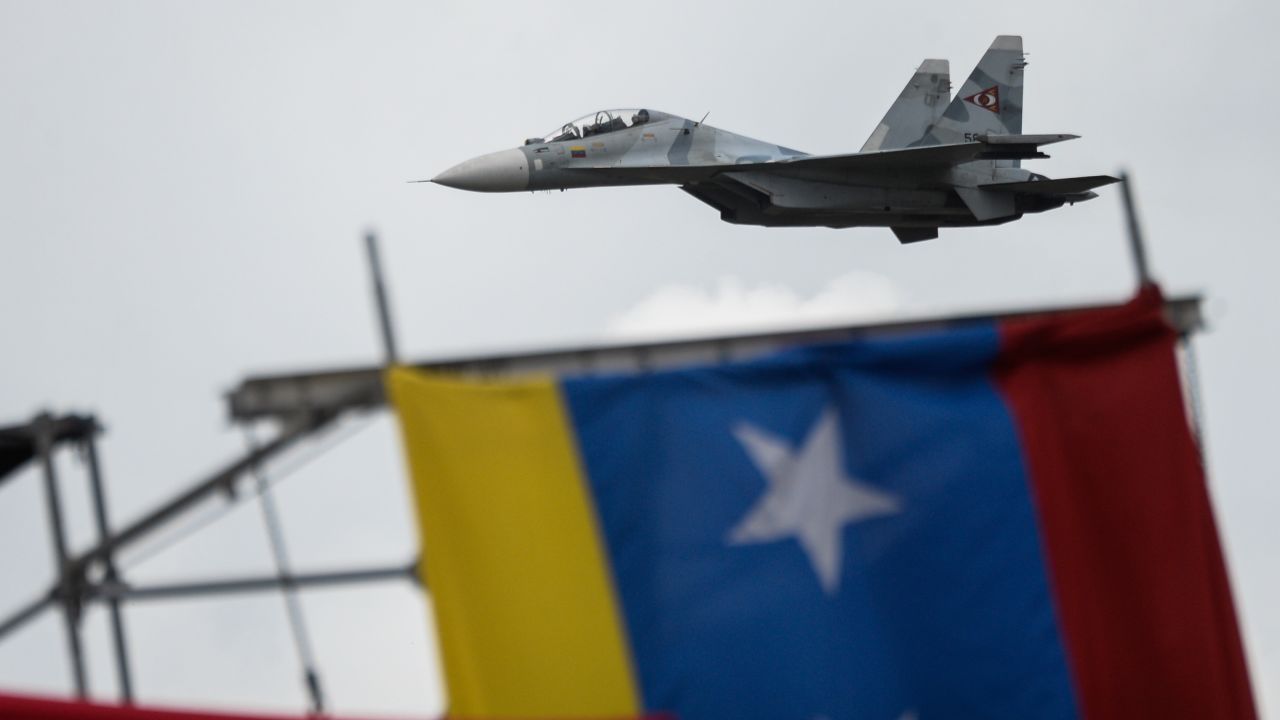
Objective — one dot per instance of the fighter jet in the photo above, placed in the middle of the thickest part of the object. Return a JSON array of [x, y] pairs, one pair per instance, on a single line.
[[933, 161]]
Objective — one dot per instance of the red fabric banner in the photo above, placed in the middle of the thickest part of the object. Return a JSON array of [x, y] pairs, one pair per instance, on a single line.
[[25, 707], [1137, 570]]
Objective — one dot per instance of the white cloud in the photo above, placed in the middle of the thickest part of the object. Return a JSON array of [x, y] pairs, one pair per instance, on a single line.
[[733, 306]]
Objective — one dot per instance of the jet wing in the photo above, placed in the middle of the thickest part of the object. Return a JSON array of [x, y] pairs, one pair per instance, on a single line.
[[929, 156], [983, 147]]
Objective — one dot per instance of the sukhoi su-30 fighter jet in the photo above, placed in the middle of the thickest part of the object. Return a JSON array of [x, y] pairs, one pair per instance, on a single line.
[[933, 161]]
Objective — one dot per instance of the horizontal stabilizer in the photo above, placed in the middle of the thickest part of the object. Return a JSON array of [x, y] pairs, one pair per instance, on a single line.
[[1032, 140], [1017, 147], [914, 234], [1061, 186]]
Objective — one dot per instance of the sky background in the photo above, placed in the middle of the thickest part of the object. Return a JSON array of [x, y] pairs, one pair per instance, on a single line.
[[183, 187]]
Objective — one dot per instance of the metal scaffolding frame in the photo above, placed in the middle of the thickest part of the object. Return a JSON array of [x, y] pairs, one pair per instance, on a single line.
[[303, 406], [306, 404], [93, 575]]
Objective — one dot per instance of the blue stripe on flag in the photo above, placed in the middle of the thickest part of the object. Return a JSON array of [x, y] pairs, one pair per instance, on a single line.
[[939, 605]]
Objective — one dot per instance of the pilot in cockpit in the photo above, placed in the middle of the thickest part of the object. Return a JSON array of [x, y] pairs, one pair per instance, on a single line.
[[568, 132], [641, 117]]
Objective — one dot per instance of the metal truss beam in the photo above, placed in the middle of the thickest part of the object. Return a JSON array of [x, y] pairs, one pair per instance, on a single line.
[[282, 397], [253, 583]]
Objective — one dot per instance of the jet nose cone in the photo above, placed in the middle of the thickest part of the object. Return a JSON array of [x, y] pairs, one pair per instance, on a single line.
[[503, 171]]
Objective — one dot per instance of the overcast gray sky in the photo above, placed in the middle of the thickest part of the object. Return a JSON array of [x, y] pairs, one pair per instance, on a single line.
[[183, 187]]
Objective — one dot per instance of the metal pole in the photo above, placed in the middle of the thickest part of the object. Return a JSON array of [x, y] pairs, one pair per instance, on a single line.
[[108, 561], [26, 613], [66, 592], [257, 583], [380, 297], [292, 605], [1137, 245]]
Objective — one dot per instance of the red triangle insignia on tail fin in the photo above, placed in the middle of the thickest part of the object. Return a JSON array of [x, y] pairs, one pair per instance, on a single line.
[[988, 99]]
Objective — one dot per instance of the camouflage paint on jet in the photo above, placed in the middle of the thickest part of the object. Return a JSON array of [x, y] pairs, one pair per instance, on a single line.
[[932, 162]]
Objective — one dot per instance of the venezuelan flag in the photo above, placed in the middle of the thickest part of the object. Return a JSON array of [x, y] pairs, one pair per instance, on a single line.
[[993, 520]]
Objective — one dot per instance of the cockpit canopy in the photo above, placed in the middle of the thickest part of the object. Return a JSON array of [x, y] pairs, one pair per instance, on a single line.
[[599, 123]]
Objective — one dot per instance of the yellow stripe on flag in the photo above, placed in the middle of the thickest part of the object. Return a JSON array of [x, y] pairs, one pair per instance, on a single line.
[[526, 614]]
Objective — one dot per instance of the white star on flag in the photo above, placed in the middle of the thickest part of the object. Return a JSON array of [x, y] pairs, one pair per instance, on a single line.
[[810, 496]]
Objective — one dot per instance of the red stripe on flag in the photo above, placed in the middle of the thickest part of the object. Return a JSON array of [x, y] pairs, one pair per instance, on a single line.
[[26, 707], [1135, 565]]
